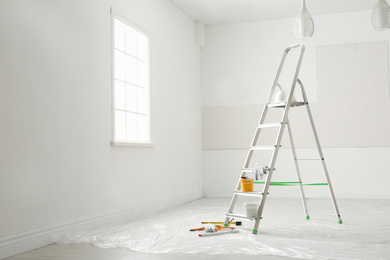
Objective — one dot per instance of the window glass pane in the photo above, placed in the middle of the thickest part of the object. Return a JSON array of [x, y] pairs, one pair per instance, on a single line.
[[119, 32], [120, 125], [130, 83], [120, 65], [131, 126], [131, 98], [143, 128], [142, 46], [143, 101], [131, 41], [131, 69], [120, 95], [142, 74]]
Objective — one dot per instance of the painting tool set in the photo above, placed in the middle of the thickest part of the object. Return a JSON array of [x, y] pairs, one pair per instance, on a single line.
[[217, 228]]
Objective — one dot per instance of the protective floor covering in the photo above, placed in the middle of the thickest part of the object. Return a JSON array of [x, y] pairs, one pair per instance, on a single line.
[[284, 231]]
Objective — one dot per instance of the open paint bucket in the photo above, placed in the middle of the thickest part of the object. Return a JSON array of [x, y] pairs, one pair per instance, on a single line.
[[246, 184]]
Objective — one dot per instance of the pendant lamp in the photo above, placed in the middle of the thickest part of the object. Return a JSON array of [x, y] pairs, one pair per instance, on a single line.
[[380, 17], [304, 25]]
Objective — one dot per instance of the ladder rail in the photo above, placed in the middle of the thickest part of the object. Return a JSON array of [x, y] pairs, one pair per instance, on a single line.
[[281, 129], [276, 79], [303, 197], [336, 208]]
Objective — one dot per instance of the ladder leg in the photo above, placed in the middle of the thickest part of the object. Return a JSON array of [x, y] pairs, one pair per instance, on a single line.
[[336, 208], [298, 170], [262, 202]]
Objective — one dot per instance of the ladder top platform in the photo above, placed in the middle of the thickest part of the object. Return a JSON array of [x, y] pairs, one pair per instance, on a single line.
[[283, 104]]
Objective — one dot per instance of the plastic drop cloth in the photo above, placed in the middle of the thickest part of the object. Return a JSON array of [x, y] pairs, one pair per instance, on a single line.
[[284, 231]]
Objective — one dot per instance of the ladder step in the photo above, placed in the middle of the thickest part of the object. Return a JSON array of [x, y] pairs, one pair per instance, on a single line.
[[291, 183], [309, 159], [269, 125], [239, 216], [283, 104], [267, 147], [248, 193], [280, 183], [247, 170]]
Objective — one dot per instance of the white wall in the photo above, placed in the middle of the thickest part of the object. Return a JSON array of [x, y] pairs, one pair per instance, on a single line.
[[56, 163], [239, 63]]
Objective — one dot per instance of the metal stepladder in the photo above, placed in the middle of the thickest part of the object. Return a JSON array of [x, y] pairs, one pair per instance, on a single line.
[[268, 170]]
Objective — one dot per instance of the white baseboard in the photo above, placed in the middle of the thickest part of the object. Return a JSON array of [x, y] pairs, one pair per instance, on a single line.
[[26, 241]]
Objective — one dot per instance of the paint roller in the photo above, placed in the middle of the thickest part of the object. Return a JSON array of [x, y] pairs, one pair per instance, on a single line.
[[211, 229], [208, 229], [259, 171]]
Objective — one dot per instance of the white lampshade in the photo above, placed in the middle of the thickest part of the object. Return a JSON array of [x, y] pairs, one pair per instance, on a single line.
[[380, 17], [304, 25]]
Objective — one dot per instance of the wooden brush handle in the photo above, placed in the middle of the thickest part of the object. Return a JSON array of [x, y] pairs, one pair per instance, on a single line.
[[198, 229], [220, 228]]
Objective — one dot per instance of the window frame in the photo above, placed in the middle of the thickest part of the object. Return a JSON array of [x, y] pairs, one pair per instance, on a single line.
[[115, 15]]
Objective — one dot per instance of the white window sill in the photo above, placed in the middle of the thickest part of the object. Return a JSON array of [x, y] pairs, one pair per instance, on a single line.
[[124, 144]]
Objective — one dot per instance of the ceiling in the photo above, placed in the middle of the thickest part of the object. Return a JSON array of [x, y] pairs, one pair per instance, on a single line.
[[212, 12]]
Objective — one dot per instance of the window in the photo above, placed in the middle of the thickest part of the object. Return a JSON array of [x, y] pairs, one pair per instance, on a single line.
[[131, 108]]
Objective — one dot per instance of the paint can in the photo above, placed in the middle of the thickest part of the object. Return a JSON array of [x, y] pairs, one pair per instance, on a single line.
[[246, 184], [250, 209]]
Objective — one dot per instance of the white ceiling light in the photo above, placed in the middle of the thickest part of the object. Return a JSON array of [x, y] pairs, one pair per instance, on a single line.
[[380, 16], [304, 25]]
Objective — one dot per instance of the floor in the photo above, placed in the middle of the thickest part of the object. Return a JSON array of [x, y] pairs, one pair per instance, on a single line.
[[284, 233], [84, 251]]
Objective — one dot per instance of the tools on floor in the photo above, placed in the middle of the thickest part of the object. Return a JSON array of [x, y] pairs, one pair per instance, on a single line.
[[216, 229], [211, 229]]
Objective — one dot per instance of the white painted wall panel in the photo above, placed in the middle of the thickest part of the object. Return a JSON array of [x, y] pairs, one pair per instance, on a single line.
[[353, 94]]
